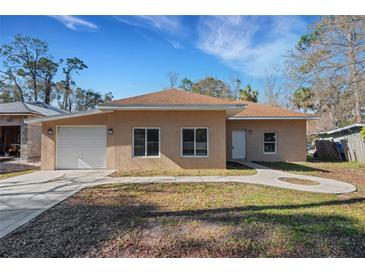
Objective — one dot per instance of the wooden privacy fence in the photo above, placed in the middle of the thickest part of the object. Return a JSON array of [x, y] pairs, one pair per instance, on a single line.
[[326, 150], [353, 149]]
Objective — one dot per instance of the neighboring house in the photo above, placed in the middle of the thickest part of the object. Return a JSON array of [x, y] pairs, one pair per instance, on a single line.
[[172, 129], [16, 137], [348, 140]]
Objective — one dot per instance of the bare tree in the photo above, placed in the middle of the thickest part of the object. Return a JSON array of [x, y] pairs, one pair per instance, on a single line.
[[173, 79], [331, 62], [272, 90]]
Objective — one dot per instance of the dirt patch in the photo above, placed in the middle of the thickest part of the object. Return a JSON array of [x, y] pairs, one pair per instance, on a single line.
[[14, 166], [298, 181]]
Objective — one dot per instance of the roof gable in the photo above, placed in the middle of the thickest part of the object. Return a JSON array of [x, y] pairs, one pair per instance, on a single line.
[[262, 110], [180, 97], [172, 97]]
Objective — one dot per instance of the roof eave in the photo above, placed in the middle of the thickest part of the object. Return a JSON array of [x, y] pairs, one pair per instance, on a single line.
[[274, 118], [342, 129], [63, 116], [20, 113]]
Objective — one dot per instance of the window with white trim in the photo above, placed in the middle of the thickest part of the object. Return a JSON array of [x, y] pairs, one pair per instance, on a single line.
[[146, 142], [194, 142], [270, 143]]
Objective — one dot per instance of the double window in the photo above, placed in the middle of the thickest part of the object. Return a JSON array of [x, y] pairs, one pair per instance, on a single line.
[[270, 145], [194, 142], [146, 142]]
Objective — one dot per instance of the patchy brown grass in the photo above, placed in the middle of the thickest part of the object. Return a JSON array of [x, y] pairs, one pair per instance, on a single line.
[[351, 172], [11, 168], [298, 181], [233, 169], [195, 220], [13, 174]]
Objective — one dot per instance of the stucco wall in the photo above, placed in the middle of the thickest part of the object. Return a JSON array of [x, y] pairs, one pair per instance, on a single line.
[[30, 142], [291, 139], [119, 145]]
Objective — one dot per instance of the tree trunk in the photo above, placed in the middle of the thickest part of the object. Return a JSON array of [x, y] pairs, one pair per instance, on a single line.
[[35, 89], [353, 88], [47, 95], [19, 89]]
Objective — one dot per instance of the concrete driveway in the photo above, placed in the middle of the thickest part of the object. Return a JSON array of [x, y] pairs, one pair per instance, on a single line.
[[24, 197]]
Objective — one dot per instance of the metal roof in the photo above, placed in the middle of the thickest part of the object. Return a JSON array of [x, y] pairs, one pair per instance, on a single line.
[[37, 108], [343, 128]]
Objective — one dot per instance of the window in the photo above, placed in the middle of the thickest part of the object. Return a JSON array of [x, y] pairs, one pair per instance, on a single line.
[[146, 142], [270, 143], [194, 142]]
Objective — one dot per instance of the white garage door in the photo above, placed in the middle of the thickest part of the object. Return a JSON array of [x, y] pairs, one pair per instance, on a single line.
[[81, 147]]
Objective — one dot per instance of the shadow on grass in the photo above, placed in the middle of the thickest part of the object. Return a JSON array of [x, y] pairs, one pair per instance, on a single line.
[[286, 166], [237, 166], [74, 229]]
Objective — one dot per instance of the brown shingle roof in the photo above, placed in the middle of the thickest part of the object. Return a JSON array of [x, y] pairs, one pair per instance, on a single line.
[[176, 96], [262, 110], [171, 96]]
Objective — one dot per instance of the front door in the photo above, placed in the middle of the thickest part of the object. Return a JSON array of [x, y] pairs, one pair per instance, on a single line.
[[239, 144]]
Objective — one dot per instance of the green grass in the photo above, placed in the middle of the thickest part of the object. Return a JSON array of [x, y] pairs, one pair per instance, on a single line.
[[12, 174]]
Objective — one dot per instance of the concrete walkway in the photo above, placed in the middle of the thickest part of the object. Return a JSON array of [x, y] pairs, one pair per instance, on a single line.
[[265, 176], [24, 197]]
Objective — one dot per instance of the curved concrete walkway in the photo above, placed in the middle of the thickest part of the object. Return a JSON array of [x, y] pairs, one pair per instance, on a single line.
[[265, 176]]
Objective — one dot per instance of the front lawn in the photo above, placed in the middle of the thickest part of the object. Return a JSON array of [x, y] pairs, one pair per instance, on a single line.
[[195, 220], [233, 169]]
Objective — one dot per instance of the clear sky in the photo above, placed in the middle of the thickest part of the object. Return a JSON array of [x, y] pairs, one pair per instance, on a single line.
[[131, 55]]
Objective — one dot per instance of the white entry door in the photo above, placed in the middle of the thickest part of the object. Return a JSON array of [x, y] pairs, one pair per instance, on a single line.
[[81, 147], [239, 144]]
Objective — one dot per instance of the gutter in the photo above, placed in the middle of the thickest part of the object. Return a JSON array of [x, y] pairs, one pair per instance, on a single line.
[[342, 129], [275, 118], [63, 116]]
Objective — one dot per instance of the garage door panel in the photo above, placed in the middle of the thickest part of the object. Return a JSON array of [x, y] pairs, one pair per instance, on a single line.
[[81, 147]]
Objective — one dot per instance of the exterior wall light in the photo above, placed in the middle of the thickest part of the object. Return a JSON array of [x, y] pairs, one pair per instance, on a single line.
[[250, 131], [110, 131], [50, 131]]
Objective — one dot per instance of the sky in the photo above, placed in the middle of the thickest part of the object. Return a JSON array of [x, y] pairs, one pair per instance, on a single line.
[[132, 55]]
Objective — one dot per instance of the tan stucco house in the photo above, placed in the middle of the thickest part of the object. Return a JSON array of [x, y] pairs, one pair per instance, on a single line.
[[171, 129]]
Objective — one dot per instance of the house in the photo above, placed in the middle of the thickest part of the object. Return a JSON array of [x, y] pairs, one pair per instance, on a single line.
[[171, 129], [16, 137], [348, 141]]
